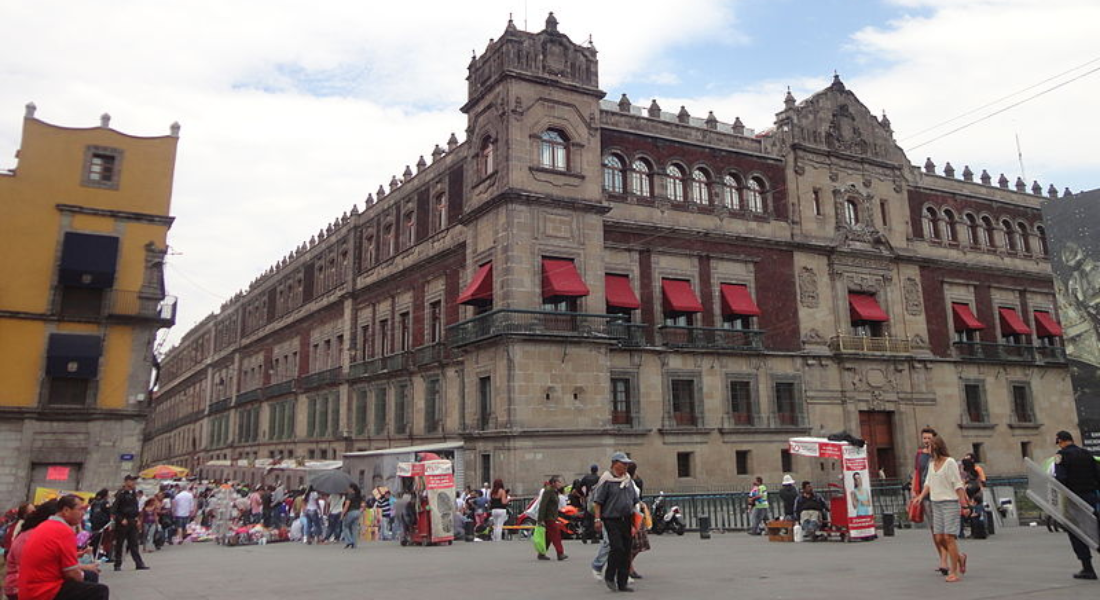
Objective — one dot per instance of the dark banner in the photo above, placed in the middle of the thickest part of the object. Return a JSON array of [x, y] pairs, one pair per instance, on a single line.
[[1073, 233]]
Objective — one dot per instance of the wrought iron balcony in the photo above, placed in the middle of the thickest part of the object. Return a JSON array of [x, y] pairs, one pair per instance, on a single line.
[[139, 305], [871, 345], [320, 378], [1051, 354], [371, 366], [429, 354], [992, 351], [537, 323], [219, 406], [249, 396], [279, 389], [630, 335], [711, 338], [397, 362]]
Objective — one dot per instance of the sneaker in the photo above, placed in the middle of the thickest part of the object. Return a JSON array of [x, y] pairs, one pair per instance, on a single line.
[[543, 557], [611, 585], [597, 575], [563, 557], [1085, 575], [143, 568]]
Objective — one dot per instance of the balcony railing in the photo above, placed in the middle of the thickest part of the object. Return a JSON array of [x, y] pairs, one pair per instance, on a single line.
[[871, 345], [279, 389], [992, 351], [320, 378], [367, 367], [219, 406], [1051, 354], [429, 354], [629, 335], [711, 338], [249, 396], [127, 303], [508, 321]]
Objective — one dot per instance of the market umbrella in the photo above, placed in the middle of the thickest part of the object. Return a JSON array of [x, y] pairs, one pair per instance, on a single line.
[[331, 481], [164, 472]]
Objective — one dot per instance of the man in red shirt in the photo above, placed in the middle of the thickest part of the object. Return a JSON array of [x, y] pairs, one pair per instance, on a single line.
[[49, 568]]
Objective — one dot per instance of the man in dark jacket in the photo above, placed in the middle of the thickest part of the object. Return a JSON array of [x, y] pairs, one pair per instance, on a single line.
[[1078, 470], [549, 505], [810, 510], [126, 513]]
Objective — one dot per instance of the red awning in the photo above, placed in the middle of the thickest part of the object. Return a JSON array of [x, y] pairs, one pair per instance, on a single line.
[[480, 289], [560, 278], [1046, 326], [864, 307], [736, 300], [619, 293], [679, 297], [964, 318], [1011, 323]]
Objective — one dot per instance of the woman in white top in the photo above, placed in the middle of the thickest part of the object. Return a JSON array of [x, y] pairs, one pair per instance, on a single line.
[[944, 487]]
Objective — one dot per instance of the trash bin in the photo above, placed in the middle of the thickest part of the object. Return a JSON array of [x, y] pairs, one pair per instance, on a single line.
[[888, 524], [469, 530], [704, 527]]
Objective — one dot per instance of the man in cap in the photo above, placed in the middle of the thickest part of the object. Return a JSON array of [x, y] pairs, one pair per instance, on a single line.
[[587, 486], [1076, 469], [613, 508]]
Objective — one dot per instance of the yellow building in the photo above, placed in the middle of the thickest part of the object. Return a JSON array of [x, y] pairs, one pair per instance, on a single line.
[[83, 232]]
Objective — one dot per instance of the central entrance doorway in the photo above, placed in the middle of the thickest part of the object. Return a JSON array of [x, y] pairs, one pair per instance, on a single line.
[[877, 429]]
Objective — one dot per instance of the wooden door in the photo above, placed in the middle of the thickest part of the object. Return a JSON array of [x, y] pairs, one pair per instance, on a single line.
[[877, 429]]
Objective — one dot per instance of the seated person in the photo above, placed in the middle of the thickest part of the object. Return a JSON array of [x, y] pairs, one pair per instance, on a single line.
[[811, 510]]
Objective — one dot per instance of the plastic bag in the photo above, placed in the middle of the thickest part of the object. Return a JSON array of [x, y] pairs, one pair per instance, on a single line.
[[538, 538]]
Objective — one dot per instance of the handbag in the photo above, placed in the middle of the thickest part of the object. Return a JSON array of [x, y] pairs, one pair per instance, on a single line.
[[538, 538], [916, 512]]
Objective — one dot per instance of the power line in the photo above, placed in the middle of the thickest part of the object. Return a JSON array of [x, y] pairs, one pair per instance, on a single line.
[[1010, 106], [998, 100]]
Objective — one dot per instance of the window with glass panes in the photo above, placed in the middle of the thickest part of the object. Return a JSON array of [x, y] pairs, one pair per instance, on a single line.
[[740, 402], [620, 401], [683, 402]]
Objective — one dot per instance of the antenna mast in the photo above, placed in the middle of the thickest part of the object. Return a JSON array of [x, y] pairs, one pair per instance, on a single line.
[[1020, 157]]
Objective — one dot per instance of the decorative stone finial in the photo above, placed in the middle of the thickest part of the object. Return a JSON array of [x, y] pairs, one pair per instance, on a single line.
[[174, 129], [421, 163], [624, 104], [885, 122], [654, 110], [394, 183], [712, 121], [28, 112], [312, 241], [552, 23], [837, 83], [408, 174], [1036, 188], [370, 199], [929, 166], [986, 178], [381, 193], [511, 26], [738, 126], [683, 116], [1002, 181], [1066, 193], [354, 209], [437, 153], [948, 170], [452, 142], [788, 100], [1052, 191], [105, 120], [1021, 185], [968, 175]]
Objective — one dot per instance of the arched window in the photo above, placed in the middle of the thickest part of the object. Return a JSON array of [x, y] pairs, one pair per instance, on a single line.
[[986, 232], [731, 192], [754, 195], [485, 157], [851, 212], [1009, 235], [971, 230], [1025, 237], [674, 184], [950, 233], [700, 187], [640, 177], [931, 224], [613, 174], [1041, 238], [552, 150]]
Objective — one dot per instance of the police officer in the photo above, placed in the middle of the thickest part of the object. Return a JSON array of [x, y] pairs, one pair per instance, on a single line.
[[1076, 469], [126, 515]]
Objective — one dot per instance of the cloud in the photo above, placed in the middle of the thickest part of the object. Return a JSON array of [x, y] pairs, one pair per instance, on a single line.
[[290, 114]]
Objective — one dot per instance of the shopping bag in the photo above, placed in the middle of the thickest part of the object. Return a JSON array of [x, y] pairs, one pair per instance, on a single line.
[[538, 538], [916, 512]]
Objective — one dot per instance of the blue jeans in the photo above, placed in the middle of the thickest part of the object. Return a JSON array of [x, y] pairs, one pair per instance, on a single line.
[[600, 561], [351, 528], [315, 529]]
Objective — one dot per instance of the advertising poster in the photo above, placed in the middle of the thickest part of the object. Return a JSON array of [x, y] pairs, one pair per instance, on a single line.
[[439, 483], [1073, 236], [857, 492]]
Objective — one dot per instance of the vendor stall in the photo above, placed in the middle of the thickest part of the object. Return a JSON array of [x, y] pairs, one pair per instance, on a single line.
[[432, 485], [853, 512]]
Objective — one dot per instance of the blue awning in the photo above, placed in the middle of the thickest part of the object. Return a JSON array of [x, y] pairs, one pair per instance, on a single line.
[[88, 260], [73, 355]]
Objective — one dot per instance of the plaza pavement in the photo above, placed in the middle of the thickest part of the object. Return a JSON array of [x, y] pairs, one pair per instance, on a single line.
[[1024, 563]]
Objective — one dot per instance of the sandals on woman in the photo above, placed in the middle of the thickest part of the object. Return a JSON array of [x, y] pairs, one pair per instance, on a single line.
[[953, 579], [962, 563]]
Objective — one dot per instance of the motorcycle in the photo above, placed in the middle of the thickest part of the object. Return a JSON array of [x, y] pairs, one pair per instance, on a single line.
[[667, 518]]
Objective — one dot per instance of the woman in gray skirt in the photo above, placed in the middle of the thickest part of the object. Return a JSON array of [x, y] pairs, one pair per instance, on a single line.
[[944, 487]]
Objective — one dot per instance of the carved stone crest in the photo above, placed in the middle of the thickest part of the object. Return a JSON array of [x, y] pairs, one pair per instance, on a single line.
[[807, 288], [913, 304], [813, 337]]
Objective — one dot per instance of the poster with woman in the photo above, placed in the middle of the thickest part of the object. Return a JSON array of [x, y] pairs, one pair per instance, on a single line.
[[857, 492]]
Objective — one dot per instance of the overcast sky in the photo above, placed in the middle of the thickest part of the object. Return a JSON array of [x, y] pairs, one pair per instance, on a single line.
[[292, 112]]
